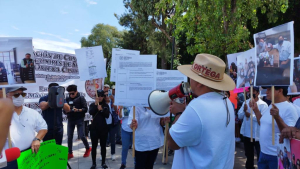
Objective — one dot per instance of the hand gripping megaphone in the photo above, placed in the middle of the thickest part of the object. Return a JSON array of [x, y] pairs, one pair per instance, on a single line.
[[159, 100]]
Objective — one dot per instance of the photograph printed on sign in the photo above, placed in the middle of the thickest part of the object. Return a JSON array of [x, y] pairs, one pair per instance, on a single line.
[[274, 55], [294, 89], [16, 62], [232, 65], [284, 154], [295, 153], [245, 69]]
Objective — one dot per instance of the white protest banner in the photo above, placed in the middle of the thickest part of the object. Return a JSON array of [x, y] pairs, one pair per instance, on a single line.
[[295, 88], [275, 54], [16, 62], [114, 61], [136, 79], [91, 63], [245, 68], [168, 79], [64, 72]]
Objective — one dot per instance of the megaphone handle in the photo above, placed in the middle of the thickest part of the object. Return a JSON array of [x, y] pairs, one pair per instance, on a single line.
[[9, 138], [133, 135]]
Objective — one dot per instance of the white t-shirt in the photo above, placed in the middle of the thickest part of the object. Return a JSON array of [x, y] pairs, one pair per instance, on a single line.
[[125, 122], [246, 125], [202, 134], [297, 109], [24, 126], [297, 102], [288, 114], [149, 134]]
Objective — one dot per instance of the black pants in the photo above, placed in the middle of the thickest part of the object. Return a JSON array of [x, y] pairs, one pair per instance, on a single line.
[[145, 159], [95, 136], [86, 129], [249, 151], [112, 137], [59, 133], [71, 127]]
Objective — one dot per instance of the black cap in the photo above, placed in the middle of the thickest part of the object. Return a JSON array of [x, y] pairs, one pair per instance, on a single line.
[[100, 93]]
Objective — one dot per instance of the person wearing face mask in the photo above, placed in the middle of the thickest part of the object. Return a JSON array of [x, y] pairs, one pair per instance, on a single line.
[[25, 123], [261, 46], [285, 49], [244, 114]]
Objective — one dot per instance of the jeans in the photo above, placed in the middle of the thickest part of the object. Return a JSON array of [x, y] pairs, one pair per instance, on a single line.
[[112, 137], [249, 151], [145, 159], [11, 165], [126, 142], [59, 133], [267, 161], [95, 136], [71, 127]]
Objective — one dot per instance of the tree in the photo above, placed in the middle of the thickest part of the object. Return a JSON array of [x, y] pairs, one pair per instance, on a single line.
[[105, 35], [219, 27], [151, 21]]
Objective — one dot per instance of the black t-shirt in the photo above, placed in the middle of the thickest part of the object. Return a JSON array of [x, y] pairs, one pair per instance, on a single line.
[[99, 117]]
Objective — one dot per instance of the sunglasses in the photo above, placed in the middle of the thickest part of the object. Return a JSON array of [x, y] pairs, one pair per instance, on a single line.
[[71, 93], [18, 94], [103, 95]]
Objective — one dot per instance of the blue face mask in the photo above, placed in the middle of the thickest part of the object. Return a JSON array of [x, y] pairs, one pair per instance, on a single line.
[[261, 44]]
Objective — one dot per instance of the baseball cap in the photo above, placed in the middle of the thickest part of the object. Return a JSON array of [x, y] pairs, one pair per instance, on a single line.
[[106, 85], [12, 89]]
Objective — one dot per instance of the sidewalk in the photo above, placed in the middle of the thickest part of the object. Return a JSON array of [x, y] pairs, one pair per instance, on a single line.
[[78, 162]]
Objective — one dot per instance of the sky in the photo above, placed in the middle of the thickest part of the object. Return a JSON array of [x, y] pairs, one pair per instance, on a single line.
[[57, 25]]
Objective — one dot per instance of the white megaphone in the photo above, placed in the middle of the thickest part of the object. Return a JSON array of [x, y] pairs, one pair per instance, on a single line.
[[159, 100]]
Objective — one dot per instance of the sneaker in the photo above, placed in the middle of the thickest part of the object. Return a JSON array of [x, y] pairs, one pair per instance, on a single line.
[[104, 166], [107, 145], [93, 167], [113, 157], [87, 152], [70, 156], [123, 166]]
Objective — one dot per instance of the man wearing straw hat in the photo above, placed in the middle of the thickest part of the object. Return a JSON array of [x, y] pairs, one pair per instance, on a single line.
[[203, 134], [284, 114]]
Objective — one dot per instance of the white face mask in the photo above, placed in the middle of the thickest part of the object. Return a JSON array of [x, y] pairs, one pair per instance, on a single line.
[[18, 102]]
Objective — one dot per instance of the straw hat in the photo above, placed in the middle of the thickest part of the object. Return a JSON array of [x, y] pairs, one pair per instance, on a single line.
[[208, 70]]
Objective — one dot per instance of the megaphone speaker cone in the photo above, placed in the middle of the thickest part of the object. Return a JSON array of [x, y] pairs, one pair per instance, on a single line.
[[159, 102]]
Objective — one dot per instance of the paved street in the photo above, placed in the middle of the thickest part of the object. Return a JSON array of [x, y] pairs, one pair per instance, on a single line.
[[78, 162]]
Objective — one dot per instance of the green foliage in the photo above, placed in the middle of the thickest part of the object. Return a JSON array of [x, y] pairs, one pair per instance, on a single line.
[[219, 27]]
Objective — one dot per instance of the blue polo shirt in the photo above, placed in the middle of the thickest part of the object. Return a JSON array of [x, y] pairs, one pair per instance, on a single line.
[[48, 115]]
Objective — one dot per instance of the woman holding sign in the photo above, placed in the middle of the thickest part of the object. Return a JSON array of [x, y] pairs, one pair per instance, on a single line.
[[99, 129], [148, 136]]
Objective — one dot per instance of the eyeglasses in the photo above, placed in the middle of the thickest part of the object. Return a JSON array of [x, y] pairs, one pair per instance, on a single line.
[[18, 94], [72, 93]]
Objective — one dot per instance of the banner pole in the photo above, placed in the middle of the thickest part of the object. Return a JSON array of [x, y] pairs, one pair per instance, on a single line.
[[133, 135], [251, 115], [9, 138], [244, 89], [273, 120], [95, 89]]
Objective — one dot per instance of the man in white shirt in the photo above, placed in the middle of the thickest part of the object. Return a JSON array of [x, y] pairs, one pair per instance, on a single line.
[[203, 136], [25, 123], [285, 49], [244, 114], [284, 114]]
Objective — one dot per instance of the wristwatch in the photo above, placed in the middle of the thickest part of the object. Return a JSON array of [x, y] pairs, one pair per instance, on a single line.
[[36, 139]]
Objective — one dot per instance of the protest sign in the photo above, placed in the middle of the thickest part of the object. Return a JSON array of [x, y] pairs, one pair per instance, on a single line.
[[284, 154], [246, 68], [16, 62], [295, 153], [232, 65], [168, 79], [66, 73], [136, 79], [49, 156], [91, 63], [274, 53], [294, 89], [116, 52]]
